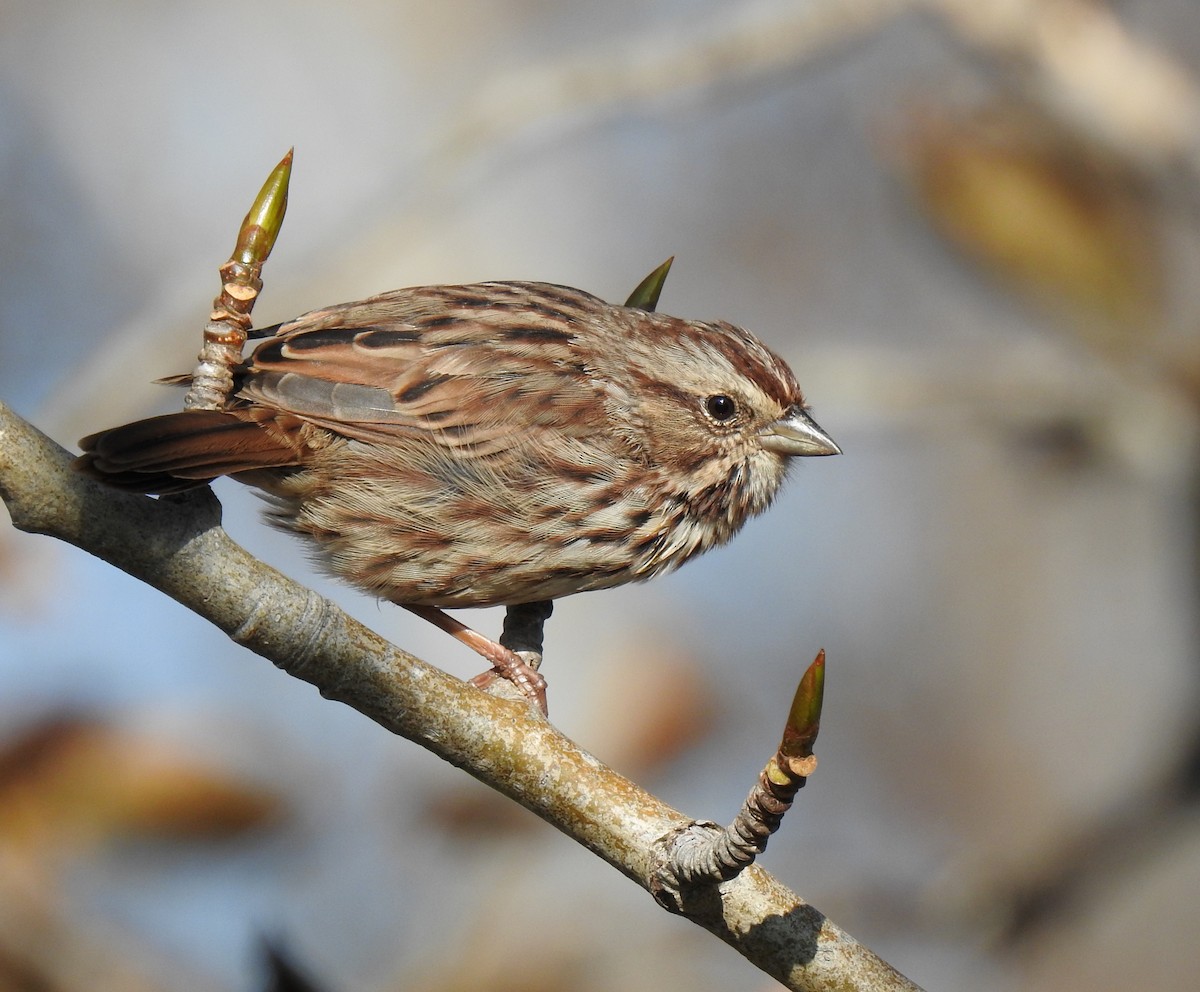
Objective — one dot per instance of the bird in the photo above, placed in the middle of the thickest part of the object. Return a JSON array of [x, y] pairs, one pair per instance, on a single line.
[[497, 443]]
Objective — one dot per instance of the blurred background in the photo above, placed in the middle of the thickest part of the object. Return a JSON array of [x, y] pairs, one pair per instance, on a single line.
[[973, 230]]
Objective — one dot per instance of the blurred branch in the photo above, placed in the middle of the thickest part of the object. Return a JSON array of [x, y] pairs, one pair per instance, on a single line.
[[758, 39], [177, 545], [1074, 57], [1078, 60]]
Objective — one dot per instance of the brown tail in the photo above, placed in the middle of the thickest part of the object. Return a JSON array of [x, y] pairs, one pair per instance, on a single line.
[[179, 451]]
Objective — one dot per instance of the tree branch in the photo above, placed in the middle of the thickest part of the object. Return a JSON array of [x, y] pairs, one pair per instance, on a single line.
[[177, 545]]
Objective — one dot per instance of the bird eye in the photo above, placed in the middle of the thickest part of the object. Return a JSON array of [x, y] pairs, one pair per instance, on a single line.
[[720, 407]]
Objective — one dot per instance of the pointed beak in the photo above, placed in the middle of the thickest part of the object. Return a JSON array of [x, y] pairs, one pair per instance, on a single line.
[[797, 433]]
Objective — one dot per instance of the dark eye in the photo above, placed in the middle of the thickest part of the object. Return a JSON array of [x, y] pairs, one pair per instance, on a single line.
[[720, 407]]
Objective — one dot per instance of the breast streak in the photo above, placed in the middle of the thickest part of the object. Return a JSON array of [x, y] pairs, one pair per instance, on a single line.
[[538, 499], [421, 522]]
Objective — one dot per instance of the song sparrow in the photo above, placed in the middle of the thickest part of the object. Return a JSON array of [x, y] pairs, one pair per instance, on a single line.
[[499, 443]]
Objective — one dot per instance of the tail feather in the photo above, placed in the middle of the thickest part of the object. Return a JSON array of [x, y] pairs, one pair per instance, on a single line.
[[179, 451]]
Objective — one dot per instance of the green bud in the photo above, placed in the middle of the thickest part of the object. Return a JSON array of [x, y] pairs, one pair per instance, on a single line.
[[645, 297], [262, 223]]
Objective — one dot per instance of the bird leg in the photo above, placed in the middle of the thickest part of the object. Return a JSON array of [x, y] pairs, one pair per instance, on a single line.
[[505, 660], [523, 629], [522, 635]]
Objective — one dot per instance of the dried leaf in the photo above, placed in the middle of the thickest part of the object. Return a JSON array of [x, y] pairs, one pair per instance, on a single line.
[[71, 779], [1051, 215]]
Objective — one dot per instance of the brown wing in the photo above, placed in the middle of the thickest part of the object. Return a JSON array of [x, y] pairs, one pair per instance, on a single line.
[[472, 369], [461, 364]]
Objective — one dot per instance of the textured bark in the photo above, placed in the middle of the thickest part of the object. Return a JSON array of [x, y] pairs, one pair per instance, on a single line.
[[177, 545]]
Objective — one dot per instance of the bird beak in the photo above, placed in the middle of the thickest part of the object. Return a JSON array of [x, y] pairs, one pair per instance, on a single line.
[[797, 433]]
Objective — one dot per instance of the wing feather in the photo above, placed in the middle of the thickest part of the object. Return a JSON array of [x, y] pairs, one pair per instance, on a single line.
[[433, 360]]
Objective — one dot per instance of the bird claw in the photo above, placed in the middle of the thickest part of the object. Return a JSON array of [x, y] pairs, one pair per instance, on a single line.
[[524, 677], [509, 664]]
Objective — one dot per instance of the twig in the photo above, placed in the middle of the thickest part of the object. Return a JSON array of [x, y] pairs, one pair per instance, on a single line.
[[701, 854], [1079, 61], [178, 546], [744, 42], [228, 324]]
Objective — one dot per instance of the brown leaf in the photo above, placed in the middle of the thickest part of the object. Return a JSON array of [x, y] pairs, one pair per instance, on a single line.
[[1051, 215], [71, 779]]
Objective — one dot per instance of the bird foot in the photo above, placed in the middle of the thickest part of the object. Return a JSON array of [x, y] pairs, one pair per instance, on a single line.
[[521, 672], [506, 663]]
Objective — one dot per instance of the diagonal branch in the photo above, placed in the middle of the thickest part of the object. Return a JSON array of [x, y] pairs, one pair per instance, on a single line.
[[177, 545]]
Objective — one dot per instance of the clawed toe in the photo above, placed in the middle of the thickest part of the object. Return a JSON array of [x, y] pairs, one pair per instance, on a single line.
[[528, 682]]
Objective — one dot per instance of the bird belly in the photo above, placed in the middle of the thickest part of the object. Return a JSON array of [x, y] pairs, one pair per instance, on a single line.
[[425, 529]]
